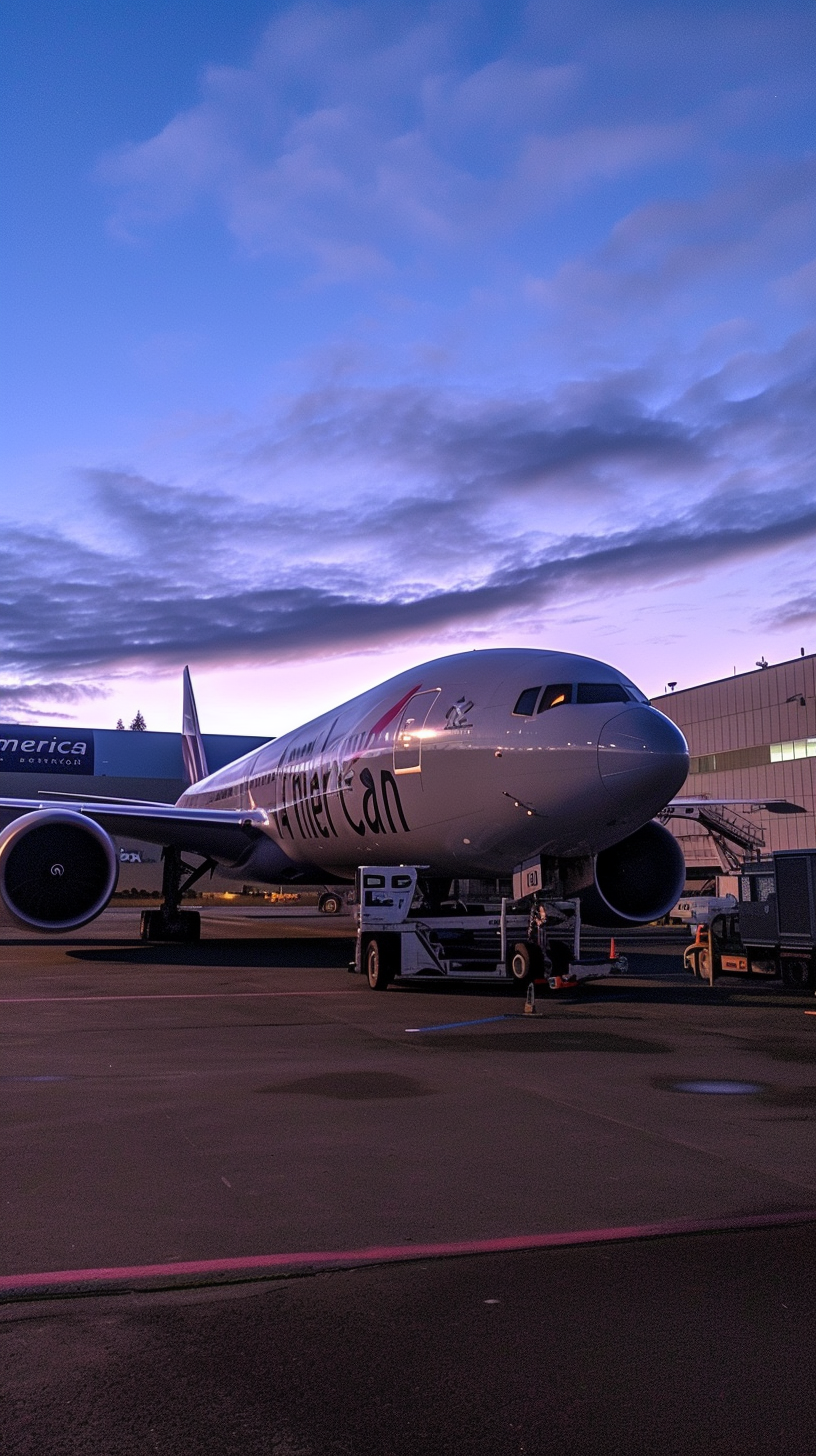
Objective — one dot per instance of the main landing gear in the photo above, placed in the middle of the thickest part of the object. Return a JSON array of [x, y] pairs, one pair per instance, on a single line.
[[170, 922]]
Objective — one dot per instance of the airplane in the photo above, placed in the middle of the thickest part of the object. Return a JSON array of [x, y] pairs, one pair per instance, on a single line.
[[468, 765]]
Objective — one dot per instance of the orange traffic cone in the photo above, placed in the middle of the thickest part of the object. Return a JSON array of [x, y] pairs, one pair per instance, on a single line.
[[612, 948]]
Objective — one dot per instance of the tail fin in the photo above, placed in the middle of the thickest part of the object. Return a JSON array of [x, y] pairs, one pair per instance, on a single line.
[[192, 744]]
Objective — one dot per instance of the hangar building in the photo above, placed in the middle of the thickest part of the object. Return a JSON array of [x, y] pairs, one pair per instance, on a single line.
[[750, 736], [106, 763]]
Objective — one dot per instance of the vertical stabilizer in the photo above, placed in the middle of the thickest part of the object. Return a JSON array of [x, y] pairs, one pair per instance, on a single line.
[[192, 744]]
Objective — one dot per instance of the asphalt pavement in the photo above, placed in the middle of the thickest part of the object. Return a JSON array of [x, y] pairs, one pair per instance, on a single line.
[[248, 1097], [665, 1348]]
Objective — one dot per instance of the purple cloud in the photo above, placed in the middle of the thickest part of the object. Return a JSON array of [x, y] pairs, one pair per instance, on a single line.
[[463, 512]]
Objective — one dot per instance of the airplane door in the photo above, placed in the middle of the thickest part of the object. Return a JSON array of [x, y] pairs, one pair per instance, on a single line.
[[246, 797], [409, 734]]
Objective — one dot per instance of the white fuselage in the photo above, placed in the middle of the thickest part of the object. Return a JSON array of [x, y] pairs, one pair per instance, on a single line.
[[444, 766]]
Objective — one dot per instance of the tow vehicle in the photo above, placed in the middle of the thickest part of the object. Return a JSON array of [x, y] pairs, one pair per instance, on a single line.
[[402, 933]]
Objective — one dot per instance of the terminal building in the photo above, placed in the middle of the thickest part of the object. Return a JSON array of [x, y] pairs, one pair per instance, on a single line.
[[38, 761], [750, 736]]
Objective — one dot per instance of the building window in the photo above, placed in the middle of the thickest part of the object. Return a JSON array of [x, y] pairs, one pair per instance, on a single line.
[[794, 748], [707, 763]]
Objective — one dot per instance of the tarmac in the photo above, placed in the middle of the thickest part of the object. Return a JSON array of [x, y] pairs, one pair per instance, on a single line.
[[249, 1111]]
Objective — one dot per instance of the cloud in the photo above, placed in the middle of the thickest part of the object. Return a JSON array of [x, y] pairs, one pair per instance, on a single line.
[[352, 517], [18, 700], [120, 616], [352, 139], [798, 286], [669, 253], [797, 610]]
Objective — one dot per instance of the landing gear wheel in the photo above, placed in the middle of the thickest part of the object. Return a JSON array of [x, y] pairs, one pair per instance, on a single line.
[[184, 928], [798, 973], [379, 966], [330, 903]]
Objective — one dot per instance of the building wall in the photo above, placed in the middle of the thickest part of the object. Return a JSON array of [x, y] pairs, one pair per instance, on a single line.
[[747, 740]]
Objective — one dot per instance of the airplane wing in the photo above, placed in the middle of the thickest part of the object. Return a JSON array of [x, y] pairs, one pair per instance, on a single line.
[[225, 835], [774, 806]]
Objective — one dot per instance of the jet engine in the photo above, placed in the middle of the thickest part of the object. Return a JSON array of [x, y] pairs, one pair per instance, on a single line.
[[638, 880], [58, 869]]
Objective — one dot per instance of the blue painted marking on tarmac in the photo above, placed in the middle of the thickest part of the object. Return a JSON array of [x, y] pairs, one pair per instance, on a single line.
[[720, 1089], [32, 1079], [450, 1025]]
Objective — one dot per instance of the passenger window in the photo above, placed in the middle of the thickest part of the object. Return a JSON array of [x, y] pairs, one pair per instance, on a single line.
[[602, 693], [525, 706], [555, 696]]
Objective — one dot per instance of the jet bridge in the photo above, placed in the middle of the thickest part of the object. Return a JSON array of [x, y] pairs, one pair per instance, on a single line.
[[734, 837]]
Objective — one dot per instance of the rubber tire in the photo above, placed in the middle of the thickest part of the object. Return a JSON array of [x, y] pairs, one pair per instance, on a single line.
[[703, 964], [520, 967], [798, 973], [184, 930], [693, 964], [378, 964], [330, 903]]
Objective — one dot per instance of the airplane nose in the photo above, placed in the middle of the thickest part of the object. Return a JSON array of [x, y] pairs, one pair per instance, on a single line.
[[642, 756]]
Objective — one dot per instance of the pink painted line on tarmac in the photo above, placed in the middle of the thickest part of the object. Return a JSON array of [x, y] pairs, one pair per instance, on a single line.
[[270, 1264], [167, 996]]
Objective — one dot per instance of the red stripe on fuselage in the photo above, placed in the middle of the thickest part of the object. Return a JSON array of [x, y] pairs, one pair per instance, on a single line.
[[392, 713], [383, 722]]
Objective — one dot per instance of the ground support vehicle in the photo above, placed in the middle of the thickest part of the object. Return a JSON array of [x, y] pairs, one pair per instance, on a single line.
[[401, 935], [717, 947], [694, 910], [773, 930]]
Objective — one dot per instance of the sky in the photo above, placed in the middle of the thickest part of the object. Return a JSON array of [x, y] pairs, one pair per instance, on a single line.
[[338, 337]]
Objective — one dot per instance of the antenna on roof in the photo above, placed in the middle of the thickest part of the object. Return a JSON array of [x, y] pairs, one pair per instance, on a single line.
[[192, 744], [762, 662]]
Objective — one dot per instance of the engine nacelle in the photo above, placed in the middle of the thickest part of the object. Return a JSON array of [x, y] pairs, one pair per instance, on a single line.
[[58, 869], [638, 880]]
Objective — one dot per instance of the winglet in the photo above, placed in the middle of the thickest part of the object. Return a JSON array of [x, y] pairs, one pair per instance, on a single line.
[[192, 744]]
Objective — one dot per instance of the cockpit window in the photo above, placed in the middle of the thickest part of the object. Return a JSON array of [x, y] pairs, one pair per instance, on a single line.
[[603, 693], [525, 706], [555, 695], [534, 700]]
